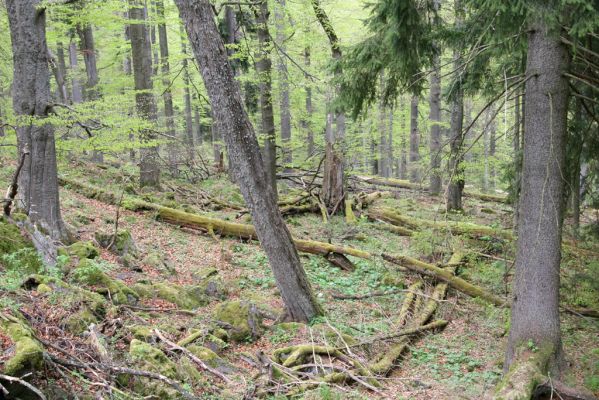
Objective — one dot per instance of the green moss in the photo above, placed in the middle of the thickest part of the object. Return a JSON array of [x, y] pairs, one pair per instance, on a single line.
[[12, 240], [393, 279], [240, 319], [333, 337], [210, 358], [141, 332], [149, 358], [44, 289], [78, 322], [88, 272], [123, 244], [187, 297], [28, 352], [80, 250], [157, 260]]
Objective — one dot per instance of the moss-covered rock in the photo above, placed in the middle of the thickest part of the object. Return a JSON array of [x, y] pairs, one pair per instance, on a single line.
[[122, 245], [157, 260], [211, 358], [17, 252], [27, 353], [89, 273], [240, 319], [149, 358], [81, 250], [187, 297], [141, 332]]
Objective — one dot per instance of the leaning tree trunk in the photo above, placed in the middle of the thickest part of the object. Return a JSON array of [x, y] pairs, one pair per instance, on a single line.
[[535, 309], [38, 180], [264, 69], [224, 93], [141, 55], [414, 141]]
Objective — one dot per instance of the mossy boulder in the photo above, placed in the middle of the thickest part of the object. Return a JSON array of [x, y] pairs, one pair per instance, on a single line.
[[158, 260], [122, 245], [211, 358], [81, 250], [26, 355], [89, 273], [17, 252], [240, 319], [187, 297], [149, 358]]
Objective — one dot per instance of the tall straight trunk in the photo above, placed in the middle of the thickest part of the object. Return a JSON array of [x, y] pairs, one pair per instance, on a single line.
[[128, 71], [153, 39], [456, 140], [284, 106], [38, 180], [197, 122], [141, 51], [469, 133], [167, 95], [382, 145], [60, 73], [517, 160], [264, 69], [77, 91], [485, 176], [187, 97], [91, 93], [333, 185], [492, 151], [535, 307], [242, 144], [389, 149], [435, 135], [414, 141], [2, 113], [307, 121], [402, 170]]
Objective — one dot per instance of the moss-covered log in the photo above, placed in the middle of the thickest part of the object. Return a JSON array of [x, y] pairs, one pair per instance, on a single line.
[[526, 372], [446, 276]]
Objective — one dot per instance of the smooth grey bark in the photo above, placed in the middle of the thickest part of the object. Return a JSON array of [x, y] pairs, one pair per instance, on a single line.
[[60, 70], [76, 89], [38, 180], [91, 92], [284, 106], [264, 70], [141, 56], [307, 121], [535, 307], [167, 95], [414, 141], [333, 183], [225, 96]]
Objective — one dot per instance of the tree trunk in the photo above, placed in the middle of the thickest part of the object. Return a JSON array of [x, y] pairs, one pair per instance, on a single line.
[[264, 70], [492, 150], [333, 185], [77, 91], [60, 74], [414, 141], [167, 95], [187, 99], [283, 87], [535, 310], [91, 93], [402, 170], [382, 145], [141, 51], [38, 180], [389, 149], [435, 120], [307, 121], [250, 171], [197, 122], [517, 160], [456, 141]]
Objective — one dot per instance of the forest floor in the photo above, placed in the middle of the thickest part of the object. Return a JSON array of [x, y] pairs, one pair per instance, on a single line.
[[461, 361]]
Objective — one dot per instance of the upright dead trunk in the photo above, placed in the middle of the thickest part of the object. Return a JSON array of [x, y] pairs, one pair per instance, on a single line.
[[535, 307], [284, 105], [264, 69], [456, 140], [333, 184], [414, 141], [38, 180], [250, 173], [307, 121], [141, 52]]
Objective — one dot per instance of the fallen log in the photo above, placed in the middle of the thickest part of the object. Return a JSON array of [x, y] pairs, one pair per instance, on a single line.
[[446, 276], [209, 224], [526, 372]]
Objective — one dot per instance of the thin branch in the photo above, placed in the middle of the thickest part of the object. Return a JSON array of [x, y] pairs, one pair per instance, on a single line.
[[21, 382]]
